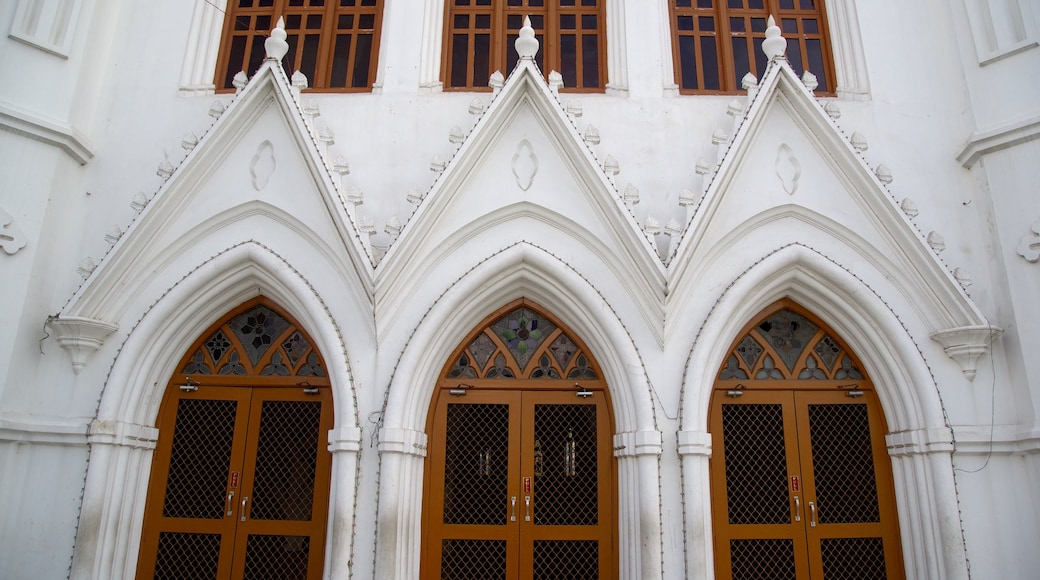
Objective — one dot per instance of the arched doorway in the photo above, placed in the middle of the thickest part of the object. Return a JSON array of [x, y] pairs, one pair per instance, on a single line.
[[520, 481], [239, 484], [801, 483]]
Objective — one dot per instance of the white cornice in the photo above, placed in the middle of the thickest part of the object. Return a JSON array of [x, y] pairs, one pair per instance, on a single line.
[[985, 142], [50, 131]]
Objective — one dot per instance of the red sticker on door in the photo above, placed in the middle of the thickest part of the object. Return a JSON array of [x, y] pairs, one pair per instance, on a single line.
[[527, 485], [234, 479], [794, 484]]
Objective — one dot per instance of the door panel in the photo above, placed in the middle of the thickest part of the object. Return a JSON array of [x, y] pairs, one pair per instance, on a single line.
[[517, 487], [760, 513], [801, 487], [239, 469]]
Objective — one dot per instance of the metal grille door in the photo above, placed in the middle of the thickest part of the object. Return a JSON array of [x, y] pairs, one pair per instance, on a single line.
[[240, 485], [519, 487], [801, 487]]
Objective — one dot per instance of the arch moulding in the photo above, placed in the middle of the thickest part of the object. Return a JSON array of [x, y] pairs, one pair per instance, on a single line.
[[518, 271], [122, 437], [920, 442]]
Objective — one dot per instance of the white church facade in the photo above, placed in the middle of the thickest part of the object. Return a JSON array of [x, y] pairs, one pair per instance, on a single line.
[[520, 289]]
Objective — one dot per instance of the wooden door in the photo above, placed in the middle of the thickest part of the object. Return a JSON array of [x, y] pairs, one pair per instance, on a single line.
[[802, 488], [240, 476], [521, 486], [239, 485]]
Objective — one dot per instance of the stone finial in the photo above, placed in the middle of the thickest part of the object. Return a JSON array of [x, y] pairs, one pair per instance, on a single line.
[[299, 80], [240, 81], [688, 198], [651, 226], [672, 228], [883, 173], [631, 195], [748, 82], [497, 81], [775, 45], [809, 80], [216, 109], [591, 135], [275, 46], [165, 169], [859, 142], [555, 81], [526, 44]]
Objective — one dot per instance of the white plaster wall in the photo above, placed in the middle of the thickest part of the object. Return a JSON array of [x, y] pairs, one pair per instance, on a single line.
[[916, 120]]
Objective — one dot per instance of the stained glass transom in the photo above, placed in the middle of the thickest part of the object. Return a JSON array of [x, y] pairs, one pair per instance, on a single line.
[[258, 341], [523, 344], [787, 345]]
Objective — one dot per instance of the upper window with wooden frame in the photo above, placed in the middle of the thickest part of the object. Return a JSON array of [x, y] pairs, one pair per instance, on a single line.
[[716, 42], [480, 33], [335, 43]]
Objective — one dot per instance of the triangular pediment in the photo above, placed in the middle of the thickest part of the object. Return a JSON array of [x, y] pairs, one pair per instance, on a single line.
[[259, 174], [524, 174], [790, 176]]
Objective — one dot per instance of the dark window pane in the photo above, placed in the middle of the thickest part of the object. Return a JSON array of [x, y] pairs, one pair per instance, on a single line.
[[339, 61], [461, 21], [483, 21], [314, 22], [462, 2], [588, 2], [807, 4], [568, 21], [263, 23], [589, 22], [266, 3], [705, 3], [290, 57], [815, 56], [256, 54], [761, 63], [568, 60], [688, 62], [317, 2], [758, 25], [789, 25], [346, 22], [684, 22], [566, 2], [292, 2], [514, 22], [756, 4], [238, 53], [367, 21], [682, 3], [810, 26], [511, 56], [362, 60], [706, 23], [710, 62], [794, 56], [787, 4], [481, 59], [736, 4], [590, 61], [347, 2], [242, 22], [311, 43], [292, 22], [245, 3], [737, 25], [741, 66], [459, 51], [536, 3]]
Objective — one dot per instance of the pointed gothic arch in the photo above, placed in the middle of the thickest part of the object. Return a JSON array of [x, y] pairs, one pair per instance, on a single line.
[[246, 414], [918, 442], [520, 270], [122, 436], [799, 451], [524, 393]]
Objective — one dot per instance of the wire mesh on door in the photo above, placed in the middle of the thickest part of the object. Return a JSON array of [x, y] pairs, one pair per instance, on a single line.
[[475, 464], [566, 475], [756, 464]]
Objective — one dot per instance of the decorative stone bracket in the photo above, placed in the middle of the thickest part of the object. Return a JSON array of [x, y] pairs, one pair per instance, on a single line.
[[965, 344], [80, 337]]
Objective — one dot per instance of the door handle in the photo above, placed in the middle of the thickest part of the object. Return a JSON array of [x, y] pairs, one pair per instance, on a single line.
[[797, 509], [230, 505], [812, 515], [512, 512], [243, 512], [527, 508]]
